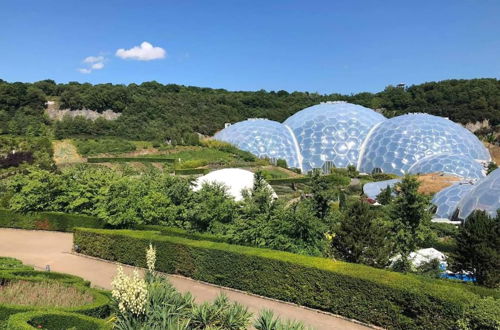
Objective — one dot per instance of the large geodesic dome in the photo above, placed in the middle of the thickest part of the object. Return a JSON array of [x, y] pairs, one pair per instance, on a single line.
[[331, 134], [459, 165], [484, 196], [446, 200], [263, 138], [398, 143]]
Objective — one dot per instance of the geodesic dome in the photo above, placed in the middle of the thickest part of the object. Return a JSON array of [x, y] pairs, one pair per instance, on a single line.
[[331, 134], [447, 199], [373, 189], [398, 143], [263, 138], [484, 196], [459, 165], [234, 179]]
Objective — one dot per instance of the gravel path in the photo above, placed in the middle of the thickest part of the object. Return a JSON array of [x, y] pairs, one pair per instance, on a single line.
[[41, 248]]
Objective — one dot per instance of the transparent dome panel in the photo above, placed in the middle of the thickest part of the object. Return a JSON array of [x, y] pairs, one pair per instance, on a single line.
[[331, 134], [263, 138], [447, 199], [484, 196], [459, 165], [400, 142], [373, 189]]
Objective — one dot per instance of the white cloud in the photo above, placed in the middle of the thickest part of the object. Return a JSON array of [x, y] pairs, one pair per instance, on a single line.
[[93, 59], [144, 52], [83, 70], [92, 63], [97, 66]]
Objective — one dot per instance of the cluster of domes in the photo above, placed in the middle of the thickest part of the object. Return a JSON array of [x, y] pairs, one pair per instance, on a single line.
[[461, 199], [339, 134]]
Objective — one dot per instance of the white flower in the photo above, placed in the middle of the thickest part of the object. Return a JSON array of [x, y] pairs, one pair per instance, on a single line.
[[129, 292], [151, 257]]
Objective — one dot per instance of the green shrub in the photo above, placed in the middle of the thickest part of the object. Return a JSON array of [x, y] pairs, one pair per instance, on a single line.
[[52, 319], [130, 159], [47, 221], [371, 295]]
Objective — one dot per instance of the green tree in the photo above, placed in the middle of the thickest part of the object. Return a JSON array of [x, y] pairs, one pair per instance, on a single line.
[[321, 194], [478, 248], [361, 237], [385, 196], [410, 217]]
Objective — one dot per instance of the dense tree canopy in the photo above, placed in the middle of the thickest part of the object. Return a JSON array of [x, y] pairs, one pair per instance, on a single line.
[[154, 111]]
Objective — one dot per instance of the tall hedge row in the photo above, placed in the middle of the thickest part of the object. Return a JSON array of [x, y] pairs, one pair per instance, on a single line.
[[375, 296], [47, 221]]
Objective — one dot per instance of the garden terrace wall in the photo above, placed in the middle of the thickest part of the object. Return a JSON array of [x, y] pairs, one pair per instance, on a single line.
[[47, 221], [375, 296]]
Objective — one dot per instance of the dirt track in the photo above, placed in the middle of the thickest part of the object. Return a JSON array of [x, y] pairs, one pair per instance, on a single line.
[[41, 248]]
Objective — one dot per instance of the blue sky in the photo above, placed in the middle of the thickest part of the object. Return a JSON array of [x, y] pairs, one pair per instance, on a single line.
[[317, 46]]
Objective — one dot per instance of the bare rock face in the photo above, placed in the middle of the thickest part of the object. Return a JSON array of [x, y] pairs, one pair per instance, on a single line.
[[56, 114], [473, 127]]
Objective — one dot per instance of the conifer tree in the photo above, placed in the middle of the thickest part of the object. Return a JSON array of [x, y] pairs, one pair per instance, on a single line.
[[478, 248], [410, 217], [361, 237]]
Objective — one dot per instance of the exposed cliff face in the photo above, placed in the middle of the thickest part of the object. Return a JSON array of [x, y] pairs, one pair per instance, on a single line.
[[55, 113]]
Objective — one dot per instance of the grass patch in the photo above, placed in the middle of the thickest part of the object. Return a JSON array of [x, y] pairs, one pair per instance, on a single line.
[[43, 294], [87, 147]]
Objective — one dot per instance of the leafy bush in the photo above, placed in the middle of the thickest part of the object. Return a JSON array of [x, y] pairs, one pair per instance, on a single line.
[[371, 295], [52, 319], [47, 221], [7, 263]]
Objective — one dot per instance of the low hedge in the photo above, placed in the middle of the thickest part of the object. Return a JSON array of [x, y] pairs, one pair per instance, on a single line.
[[190, 171], [98, 308], [27, 274], [375, 296], [335, 179], [47, 221], [7, 263], [130, 159], [53, 319]]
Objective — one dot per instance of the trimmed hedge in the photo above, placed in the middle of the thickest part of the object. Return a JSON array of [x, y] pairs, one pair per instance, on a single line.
[[7, 263], [53, 319], [27, 274], [335, 179], [191, 171], [130, 159], [375, 296], [54, 221], [173, 231], [98, 308]]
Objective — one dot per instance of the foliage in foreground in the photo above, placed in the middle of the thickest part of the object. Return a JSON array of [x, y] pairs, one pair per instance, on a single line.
[[478, 248], [356, 291], [153, 303]]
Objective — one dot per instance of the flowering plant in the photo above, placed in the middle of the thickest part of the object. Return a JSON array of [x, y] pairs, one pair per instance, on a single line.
[[130, 292]]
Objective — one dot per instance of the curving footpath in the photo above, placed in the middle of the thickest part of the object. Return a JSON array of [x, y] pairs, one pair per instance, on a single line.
[[41, 248]]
